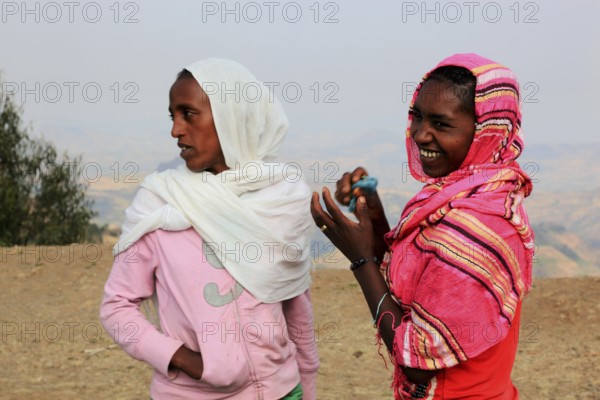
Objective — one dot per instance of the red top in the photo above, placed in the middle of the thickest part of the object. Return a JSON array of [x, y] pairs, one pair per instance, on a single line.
[[486, 376]]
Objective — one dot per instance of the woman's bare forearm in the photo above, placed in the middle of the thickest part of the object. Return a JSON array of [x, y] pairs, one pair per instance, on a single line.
[[376, 294]]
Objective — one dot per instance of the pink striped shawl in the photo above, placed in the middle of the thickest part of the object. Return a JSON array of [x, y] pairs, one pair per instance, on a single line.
[[461, 254]]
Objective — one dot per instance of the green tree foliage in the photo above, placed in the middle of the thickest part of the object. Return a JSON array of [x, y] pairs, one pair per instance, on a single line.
[[42, 198]]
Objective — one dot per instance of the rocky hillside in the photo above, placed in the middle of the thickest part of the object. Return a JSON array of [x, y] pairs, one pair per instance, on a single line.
[[564, 207]]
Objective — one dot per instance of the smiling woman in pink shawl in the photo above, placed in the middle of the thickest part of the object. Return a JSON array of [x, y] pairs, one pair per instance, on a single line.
[[457, 266]]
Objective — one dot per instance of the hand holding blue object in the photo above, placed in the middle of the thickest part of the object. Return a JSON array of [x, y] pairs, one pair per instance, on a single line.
[[368, 184]]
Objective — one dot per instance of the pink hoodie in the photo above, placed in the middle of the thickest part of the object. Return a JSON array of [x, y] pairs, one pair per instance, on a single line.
[[251, 350]]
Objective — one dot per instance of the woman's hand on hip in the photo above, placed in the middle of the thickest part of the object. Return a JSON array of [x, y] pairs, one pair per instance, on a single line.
[[188, 361]]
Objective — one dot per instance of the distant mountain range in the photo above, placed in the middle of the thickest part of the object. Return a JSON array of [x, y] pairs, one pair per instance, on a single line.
[[564, 208]]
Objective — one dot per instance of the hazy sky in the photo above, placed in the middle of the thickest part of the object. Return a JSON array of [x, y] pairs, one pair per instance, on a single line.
[[93, 77]]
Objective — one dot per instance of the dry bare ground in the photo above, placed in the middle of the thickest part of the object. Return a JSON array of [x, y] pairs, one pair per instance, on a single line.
[[53, 347]]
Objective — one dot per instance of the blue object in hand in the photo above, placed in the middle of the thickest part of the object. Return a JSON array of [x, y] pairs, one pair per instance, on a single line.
[[367, 184]]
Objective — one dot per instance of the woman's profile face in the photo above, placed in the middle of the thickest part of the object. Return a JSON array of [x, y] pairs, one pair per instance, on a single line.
[[441, 128], [194, 127]]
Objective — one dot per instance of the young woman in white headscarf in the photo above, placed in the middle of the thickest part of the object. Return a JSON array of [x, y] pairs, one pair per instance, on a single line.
[[221, 245]]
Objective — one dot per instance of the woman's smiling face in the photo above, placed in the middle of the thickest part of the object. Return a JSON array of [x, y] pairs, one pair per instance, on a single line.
[[441, 128]]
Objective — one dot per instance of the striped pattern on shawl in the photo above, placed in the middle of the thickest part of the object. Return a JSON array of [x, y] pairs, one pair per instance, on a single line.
[[461, 254]]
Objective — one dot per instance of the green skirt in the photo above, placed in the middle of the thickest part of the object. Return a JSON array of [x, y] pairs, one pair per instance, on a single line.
[[295, 394]]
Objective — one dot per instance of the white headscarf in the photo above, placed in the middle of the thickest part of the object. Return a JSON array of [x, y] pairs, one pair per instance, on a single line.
[[255, 216]]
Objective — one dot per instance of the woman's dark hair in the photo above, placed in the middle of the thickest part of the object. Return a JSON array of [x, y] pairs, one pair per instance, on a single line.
[[463, 84], [184, 73]]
